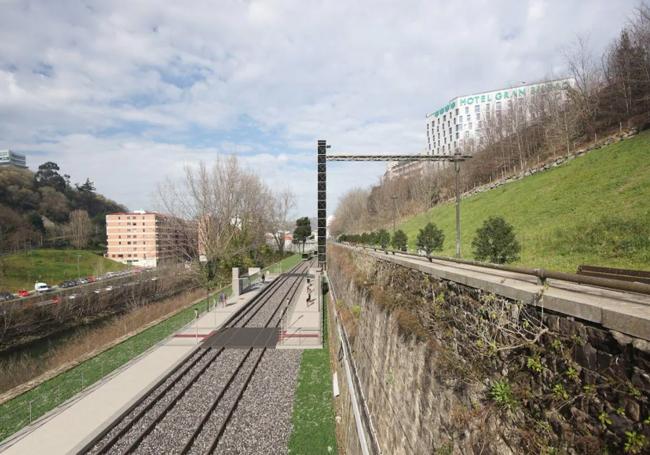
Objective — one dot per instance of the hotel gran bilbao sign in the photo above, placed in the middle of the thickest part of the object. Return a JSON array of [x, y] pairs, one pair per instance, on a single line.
[[511, 93]]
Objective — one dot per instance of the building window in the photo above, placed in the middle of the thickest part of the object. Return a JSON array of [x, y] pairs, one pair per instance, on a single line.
[[467, 109], [477, 108], [498, 107]]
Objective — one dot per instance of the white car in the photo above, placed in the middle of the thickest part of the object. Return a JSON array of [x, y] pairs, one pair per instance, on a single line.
[[41, 287]]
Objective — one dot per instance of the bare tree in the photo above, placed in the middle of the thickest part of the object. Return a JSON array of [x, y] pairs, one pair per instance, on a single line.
[[79, 228], [218, 214], [588, 77], [280, 206]]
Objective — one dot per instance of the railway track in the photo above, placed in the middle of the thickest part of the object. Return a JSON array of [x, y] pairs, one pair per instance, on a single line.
[[188, 410]]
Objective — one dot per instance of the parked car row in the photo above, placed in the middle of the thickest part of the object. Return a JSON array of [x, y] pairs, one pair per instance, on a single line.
[[41, 287]]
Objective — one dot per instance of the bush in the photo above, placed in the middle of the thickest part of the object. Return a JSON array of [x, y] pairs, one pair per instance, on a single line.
[[400, 240], [383, 238], [430, 239], [495, 242]]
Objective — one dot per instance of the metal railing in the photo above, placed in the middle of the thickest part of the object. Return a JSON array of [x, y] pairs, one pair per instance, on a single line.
[[540, 274]]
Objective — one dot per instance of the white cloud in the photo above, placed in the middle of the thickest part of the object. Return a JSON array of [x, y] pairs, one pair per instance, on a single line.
[[125, 92]]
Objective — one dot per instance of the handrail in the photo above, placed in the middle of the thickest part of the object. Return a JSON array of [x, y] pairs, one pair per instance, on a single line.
[[541, 274]]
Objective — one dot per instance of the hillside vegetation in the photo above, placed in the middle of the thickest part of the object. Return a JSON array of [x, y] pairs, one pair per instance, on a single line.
[[593, 210], [21, 270]]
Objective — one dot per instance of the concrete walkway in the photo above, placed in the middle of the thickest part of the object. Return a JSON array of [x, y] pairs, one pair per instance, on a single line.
[[69, 427], [301, 328]]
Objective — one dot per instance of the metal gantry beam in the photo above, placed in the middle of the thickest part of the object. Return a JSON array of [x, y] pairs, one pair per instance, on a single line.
[[456, 158]]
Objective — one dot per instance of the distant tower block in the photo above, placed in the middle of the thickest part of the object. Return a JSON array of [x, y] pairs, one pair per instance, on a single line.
[[322, 204]]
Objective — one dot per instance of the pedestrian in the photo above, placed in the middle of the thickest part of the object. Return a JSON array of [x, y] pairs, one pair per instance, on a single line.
[[263, 277], [196, 313]]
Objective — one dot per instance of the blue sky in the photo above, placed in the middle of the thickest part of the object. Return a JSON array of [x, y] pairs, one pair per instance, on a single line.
[[127, 93]]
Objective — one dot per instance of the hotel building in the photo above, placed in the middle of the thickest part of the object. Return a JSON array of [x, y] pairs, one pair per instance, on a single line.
[[456, 127], [145, 239]]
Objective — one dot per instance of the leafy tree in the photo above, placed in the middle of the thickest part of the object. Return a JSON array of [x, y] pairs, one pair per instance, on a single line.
[[495, 241], [430, 239], [302, 231], [383, 238], [48, 175], [37, 222], [400, 240]]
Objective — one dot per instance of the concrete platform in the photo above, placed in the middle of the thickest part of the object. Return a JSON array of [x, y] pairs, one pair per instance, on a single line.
[[301, 327], [67, 428]]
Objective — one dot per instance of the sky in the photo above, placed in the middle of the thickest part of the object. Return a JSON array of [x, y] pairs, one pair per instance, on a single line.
[[127, 93]]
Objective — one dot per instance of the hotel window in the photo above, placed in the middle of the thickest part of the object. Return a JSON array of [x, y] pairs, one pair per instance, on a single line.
[[477, 108], [498, 107], [478, 116], [457, 135], [456, 111], [460, 119], [467, 109]]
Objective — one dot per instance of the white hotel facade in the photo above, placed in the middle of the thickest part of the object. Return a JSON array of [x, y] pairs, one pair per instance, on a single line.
[[457, 125]]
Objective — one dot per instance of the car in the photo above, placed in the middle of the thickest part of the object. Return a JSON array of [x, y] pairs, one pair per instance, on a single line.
[[108, 288], [56, 299], [23, 293], [5, 296], [67, 284], [82, 281], [91, 279], [72, 296], [41, 287]]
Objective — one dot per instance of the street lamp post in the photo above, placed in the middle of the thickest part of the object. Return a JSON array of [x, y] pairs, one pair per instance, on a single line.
[[457, 168]]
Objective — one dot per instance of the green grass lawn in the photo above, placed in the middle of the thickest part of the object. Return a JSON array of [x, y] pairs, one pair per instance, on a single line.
[[593, 210], [21, 270], [314, 430]]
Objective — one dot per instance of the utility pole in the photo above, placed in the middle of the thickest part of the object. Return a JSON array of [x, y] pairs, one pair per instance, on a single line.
[[394, 198], [457, 168]]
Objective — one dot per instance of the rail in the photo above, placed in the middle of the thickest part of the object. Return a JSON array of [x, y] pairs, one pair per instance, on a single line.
[[540, 274]]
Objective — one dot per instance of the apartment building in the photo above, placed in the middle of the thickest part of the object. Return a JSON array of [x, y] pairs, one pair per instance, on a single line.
[[145, 239], [11, 158]]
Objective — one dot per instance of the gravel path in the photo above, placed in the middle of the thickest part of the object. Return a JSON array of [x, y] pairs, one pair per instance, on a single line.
[[262, 422]]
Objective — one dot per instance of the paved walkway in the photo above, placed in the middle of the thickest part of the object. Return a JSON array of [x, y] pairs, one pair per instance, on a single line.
[[70, 426]]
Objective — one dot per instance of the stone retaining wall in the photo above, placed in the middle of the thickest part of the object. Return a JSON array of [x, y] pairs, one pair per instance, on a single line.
[[450, 369]]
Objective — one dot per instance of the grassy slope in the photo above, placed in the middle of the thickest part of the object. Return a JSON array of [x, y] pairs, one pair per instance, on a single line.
[[52, 266], [314, 430], [594, 210]]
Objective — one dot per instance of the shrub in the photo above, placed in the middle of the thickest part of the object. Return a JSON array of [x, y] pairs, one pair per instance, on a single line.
[[400, 240], [383, 238], [501, 393], [495, 241], [430, 239]]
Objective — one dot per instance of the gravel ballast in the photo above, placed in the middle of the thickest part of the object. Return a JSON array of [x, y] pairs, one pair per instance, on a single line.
[[261, 423]]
